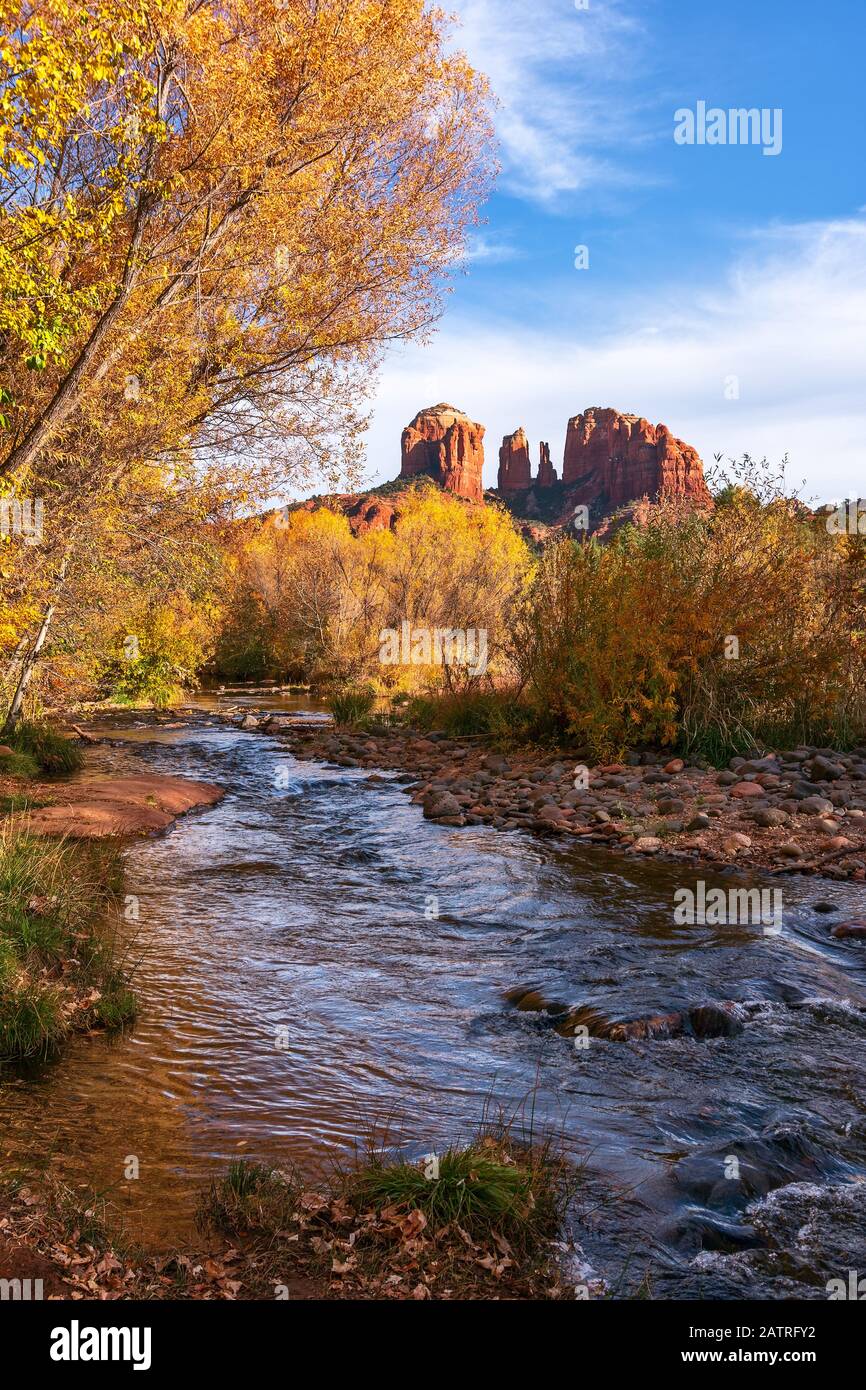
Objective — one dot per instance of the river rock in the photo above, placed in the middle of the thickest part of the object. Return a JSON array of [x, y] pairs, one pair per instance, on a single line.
[[714, 1021], [855, 929], [769, 817], [732, 844], [816, 806], [437, 805], [495, 762], [824, 769]]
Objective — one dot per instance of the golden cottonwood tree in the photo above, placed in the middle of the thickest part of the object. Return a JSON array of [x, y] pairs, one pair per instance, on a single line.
[[253, 195], [213, 218], [310, 599]]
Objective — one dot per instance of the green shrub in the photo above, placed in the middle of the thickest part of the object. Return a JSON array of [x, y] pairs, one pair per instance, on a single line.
[[499, 715], [149, 679], [52, 752], [715, 633], [352, 704]]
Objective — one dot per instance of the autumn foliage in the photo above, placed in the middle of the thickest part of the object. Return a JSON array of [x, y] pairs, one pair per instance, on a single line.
[[213, 218], [309, 600], [718, 633]]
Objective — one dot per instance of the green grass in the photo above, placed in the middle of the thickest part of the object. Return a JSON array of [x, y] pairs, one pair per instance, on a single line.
[[18, 801], [498, 715], [352, 704], [53, 952], [88, 1218], [488, 1186], [251, 1196], [116, 1007], [43, 746], [30, 1020], [18, 765]]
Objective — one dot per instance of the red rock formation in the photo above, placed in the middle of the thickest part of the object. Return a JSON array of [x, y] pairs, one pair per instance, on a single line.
[[515, 472], [445, 444], [617, 458], [546, 471], [371, 514]]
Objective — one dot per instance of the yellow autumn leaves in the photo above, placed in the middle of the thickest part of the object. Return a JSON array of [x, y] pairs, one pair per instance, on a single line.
[[213, 219], [310, 600]]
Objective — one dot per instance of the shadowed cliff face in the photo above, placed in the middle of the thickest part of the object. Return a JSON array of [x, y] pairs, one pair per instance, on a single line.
[[449, 447]]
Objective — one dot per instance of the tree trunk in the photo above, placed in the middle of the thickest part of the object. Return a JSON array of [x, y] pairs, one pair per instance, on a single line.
[[29, 664], [18, 654]]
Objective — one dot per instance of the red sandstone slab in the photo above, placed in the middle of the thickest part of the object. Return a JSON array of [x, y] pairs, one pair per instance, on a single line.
[[120, 806]]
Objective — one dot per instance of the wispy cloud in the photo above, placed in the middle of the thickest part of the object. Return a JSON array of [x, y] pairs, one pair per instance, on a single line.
[[787, 319], [487, 249], [562, 77]]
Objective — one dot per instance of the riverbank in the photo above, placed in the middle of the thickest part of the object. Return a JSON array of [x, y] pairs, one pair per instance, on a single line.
[[116, 806], [478, 1222], [58, 971], [58, 974], [797, 812]]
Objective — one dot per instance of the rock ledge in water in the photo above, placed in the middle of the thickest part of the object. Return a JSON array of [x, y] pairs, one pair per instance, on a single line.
[[120, 806]]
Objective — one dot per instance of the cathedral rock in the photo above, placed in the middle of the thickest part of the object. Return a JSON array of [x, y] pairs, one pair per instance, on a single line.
[[612, 458], [446, 445], [546, 471], [515, 472]]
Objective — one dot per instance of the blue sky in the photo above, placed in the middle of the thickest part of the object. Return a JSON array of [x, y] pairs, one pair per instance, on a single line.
[[706, 263]]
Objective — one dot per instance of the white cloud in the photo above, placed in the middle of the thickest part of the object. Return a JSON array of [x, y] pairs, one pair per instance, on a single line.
[[561, 75], [788, 320], [484, 249]]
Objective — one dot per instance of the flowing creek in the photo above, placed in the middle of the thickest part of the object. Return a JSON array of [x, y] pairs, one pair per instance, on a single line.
[[296, 987]]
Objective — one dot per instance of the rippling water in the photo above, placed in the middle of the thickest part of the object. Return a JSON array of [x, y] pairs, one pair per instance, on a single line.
[[297, 986]]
